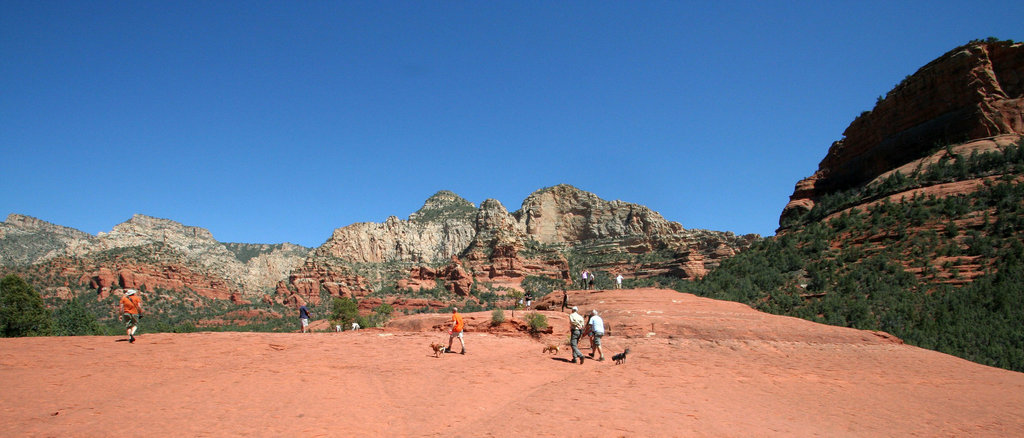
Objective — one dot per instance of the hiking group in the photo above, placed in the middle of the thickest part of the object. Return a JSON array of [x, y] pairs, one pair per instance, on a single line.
[[592, 327]]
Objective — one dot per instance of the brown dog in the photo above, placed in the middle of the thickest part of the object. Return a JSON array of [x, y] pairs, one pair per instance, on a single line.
[[438, 349], [552, 348]]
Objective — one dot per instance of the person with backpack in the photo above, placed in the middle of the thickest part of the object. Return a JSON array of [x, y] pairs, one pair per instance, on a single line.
[[131, 311]]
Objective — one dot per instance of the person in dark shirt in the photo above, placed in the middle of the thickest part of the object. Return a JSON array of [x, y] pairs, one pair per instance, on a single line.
[[304, 317]]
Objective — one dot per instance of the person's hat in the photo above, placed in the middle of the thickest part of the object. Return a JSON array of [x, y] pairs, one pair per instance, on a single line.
[[593, 312], [129, 292], [574, 308], [455, 309]]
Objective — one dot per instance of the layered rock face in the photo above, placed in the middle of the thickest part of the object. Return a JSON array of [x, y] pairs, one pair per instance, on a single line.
[[148, 253], [451, 241], [972, 92], [27, 240], [442, 228], [565, 214]]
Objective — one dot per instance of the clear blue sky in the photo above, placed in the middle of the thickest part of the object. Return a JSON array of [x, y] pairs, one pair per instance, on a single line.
[[267, 122]]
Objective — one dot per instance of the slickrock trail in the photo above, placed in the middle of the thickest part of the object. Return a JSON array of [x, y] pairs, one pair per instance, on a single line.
[[697, 367]]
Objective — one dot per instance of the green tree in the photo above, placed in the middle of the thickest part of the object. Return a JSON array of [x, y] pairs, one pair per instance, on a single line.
[[384, 310], [73, 319], [540, 285], [381, 315], [22, 311], [345, 311]]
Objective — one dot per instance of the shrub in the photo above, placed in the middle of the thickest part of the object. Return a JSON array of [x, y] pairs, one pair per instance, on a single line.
[[380, 316], [22, 311], [536, 322], [497, 317], [540, 286]]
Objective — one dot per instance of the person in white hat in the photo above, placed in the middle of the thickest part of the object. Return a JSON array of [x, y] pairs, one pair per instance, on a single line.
[[131, 310], [575, 330]]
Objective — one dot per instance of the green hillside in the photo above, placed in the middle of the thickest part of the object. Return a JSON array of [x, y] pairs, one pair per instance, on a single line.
[[944, 273]]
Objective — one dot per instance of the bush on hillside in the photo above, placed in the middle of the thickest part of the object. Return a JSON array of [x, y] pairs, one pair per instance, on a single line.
[[22, 311], [345, 311], [497, 317], [536, 322], [888, 268], [73, 319]]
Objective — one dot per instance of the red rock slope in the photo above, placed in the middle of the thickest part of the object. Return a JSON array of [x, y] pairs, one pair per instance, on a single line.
[[707, 368], [972, 92]]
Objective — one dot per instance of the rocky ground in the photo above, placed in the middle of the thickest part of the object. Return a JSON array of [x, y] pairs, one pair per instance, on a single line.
[[697, 367]]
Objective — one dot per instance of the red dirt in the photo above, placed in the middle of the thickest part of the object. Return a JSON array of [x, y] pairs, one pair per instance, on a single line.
[[708, 368]]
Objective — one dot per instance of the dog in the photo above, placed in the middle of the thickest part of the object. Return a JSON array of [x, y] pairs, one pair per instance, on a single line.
[[552, 348], [438, 349], [621, 357]]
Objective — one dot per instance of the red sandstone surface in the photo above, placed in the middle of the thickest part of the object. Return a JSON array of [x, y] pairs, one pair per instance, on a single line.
[[698, 367]]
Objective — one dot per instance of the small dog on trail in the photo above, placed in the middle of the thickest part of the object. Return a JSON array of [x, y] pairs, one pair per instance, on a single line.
[[621, 357], [552, 348], [438, 349]]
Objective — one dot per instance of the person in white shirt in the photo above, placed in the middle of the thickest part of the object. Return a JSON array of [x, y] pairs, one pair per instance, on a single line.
[[596, 330], [618, 281]]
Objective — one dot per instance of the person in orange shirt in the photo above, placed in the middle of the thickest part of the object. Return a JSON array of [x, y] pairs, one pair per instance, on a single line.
[[131, 310], [456, 332]]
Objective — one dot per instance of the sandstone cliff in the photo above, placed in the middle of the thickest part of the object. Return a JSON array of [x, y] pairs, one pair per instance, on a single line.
[[450, 240], [442, 228], [974, 91], [149, 253], [27, 240]]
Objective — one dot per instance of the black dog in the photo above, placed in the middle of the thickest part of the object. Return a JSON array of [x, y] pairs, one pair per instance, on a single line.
[[621, 357]]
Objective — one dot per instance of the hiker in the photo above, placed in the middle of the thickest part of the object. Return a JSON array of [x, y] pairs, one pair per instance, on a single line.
[[131, 311], [456, 332], [618, 281], [585, 274], [576, 330], [565, 299], [304, 317], [529, 299], [595, 328]]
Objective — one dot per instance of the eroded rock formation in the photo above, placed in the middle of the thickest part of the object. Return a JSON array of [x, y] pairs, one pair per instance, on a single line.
[[974, 91]]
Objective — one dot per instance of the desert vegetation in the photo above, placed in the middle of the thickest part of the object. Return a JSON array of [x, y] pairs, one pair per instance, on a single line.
[[941, 273]]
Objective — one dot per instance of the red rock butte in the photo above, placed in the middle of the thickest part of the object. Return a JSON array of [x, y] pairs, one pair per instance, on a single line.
[[697, 367]]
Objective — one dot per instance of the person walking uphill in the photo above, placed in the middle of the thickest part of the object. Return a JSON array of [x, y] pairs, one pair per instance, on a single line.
[[131, 310], [595, 328], [456, 332], [576, 330]]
